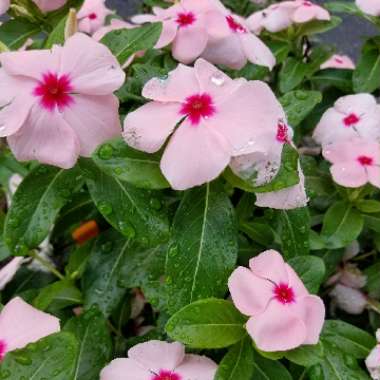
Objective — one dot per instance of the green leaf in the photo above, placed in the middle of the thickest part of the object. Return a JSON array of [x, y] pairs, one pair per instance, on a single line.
[[348, 339], [298, 104], [57, 36], [95, 344], [52, 358], [291, 74], [101, 279], [125, 42], [280, 49], [78, 260], [14, 33], [342, 224], [342, 7], [368, 206], [373, 280], [210, 323], [203, 248], [140, 169], [138, 214], [306, 356], [372, 222], [36, 204], [237, 364], [266, 369], [338, 78], [57, 296], [318, 26], [259, 232], [4, 251], [294, 231], [311, 270], [366, 76]]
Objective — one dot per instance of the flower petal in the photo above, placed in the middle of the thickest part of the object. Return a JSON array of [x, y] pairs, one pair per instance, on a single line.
[[197, 367], [149, 126], [21, 324], [9, 270], [296, 283], [156, 355], [195, 155], [349, 174], [250, 294], [91, 66], [168, 34], [119, 368], [94, 119], [373, 173]]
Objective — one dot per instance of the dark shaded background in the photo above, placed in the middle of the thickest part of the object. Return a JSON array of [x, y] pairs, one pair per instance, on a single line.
[[347, 37]]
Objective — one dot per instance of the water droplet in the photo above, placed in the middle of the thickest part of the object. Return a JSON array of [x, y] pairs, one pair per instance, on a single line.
[[105, 208], [155, 203], [127, 229], [106, 152], [218, 79]]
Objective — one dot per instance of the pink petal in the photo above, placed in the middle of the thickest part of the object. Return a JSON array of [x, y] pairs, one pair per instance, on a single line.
[[156, 355], [94, 119], [349, 174], [197, 367], [4, 5], [371, 7], [49, 5], [278, 328], [180, 84], [91, 66], [46, 137], [278, 19], [21, 324], [270, 265], [119, 368], [255, 22], [8, 271], [374, 175], [168, 34], [373, 362], [296, 283], [216, 25], [189, 43], [359, 103], [256, 51], [312, 312], [143, 134], [338, 62], [250, 294], [142, 19], [195, 155]]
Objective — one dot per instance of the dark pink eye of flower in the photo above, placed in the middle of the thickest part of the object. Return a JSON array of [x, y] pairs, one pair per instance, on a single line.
[[338, 60], [185, 19], [54, 91], [351, 119], [365, 160], [235, 26], [284, 294], [198, 106], [282, 133], [307, 3], [166, 375], [2, 349], [92, 16]]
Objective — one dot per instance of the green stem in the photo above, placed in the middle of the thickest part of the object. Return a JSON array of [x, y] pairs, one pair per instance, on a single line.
[[46, 264]]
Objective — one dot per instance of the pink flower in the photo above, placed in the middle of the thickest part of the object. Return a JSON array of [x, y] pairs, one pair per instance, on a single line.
[[238, 47], [339, 62], [156, 360], [9, 270], [352, 301], [355, 162], [283, 315], [371, 7], [49, 5], [4, 5], [188, 25], [21, 324], [92, 16], [352, 116], [59, 103], [280, 16], [217, 118], [373, 360]]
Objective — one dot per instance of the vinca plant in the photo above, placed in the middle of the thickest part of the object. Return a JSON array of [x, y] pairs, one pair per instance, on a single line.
[[188, 194]]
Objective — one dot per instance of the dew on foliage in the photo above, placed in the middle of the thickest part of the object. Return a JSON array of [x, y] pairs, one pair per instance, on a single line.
[[106, 152]]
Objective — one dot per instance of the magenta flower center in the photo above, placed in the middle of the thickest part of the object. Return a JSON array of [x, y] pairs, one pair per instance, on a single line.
[[308, 4], [235, 26], [339, 60], [185, 19], [3, 348], [284, 294], [93, 16], [282, 133], [54, 91], [198, 106], [365, 160], [351, 119], [166, 375]]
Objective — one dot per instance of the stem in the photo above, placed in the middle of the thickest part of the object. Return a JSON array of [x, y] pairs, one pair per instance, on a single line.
[[46, 264]]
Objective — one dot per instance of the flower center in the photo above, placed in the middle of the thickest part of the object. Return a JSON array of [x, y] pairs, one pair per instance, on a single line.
[[3, 348], [339, 60], [351, 119], [284, 294], [282, 133], [365, 160], [166, 375], [54, 91], [307, 3], [198, 106], [92, 16], [185, 19], [235, 26]]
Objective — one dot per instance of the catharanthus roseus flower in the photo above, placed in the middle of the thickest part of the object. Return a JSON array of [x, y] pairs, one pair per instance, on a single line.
[[21, 324], [371, 7], [217, 118], [4, 5], [373, 360], [283, 315], [156, 360], [280, 16], [338, 62], [59, 103], [9, 270], [92, 16], [352, 301], [352, 116], [355, 162], [49, 5]]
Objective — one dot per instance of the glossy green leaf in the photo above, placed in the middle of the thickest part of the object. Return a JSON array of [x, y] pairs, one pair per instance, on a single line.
[[368, 206], [318, 26], [203, 248], [14, 33], [266, 369], [209, 323], [338, 78], [57, 36], [292, 74], [306, 356]]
